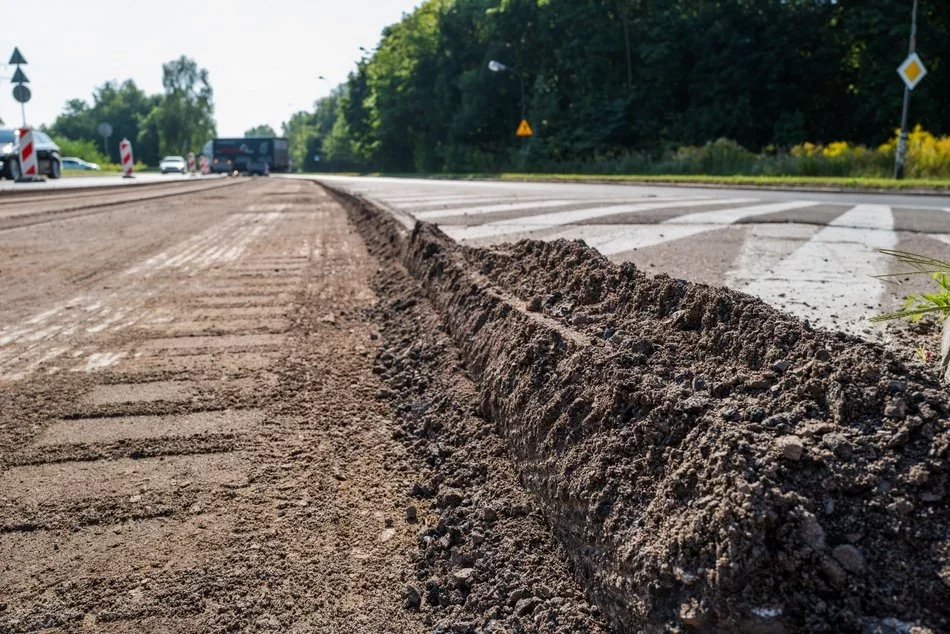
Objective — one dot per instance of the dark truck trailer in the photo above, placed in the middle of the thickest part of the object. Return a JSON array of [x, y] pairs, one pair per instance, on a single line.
[[250, 155]]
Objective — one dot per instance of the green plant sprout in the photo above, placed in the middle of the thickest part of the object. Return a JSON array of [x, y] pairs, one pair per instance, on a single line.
[[918, 305]]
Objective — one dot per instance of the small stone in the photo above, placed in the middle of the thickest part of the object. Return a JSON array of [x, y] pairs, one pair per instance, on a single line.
[[328, 319], [383, 393], [781, 366], [894, 386], [812, 532], [823, 355], [838, 443], [463, 576], [489, 514], [850, 558], [700, 383], [534, 306], [411, 599], [412, 513], [730, 414], [449, 497], [517, 595], [896, 409], [135, 498], [945, 576], [901, 507], [387, 535], [525, 607], [791, 447], [833, 571]]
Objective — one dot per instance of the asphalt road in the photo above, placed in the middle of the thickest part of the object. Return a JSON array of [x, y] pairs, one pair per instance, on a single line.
[[73, 182], [811, 253]]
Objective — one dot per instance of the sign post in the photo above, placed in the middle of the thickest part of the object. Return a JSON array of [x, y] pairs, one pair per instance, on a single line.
[[105, 131], [911, 71], [20, 92]]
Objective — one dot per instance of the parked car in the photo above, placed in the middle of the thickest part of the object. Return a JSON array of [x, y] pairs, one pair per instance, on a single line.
[[49, 161], [73, 163], [175, 164]]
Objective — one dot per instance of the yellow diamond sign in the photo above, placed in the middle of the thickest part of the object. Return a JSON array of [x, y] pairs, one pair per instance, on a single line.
[[912, 70]]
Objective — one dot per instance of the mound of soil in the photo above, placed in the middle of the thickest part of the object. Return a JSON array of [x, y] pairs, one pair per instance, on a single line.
[[708, 462]]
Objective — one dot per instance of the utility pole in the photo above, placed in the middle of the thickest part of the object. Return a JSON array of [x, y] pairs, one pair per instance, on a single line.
[[902, 140]]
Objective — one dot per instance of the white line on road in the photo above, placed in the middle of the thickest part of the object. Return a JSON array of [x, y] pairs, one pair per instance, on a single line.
[[558, 219], [833, 271]]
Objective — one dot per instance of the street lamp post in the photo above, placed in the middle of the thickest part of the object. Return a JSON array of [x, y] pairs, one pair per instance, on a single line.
[[902, 140], [498, 67]]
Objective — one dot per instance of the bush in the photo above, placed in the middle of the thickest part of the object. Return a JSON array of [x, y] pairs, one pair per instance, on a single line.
[[85, 149]]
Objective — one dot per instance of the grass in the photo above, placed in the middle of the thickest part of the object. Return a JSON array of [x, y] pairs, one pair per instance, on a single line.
[[916, 306], [790, 182], [804, 182]]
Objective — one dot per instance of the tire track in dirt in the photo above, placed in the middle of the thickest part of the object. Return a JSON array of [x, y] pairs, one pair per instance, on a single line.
[[213, 478]]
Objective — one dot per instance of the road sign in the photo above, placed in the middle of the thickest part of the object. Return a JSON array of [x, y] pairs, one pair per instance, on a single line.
[[21, 93], [17, 57], [27, 155], [125, 153], [912, 70], [105, 130], [524, 129], [19, 77]]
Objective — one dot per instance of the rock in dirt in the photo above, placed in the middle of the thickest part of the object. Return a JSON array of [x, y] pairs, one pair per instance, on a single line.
[[790, 447]]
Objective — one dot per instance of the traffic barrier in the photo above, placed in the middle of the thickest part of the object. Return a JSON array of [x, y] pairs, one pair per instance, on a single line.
[[125, 153], [204, 165], [28, 166], [191, 163]]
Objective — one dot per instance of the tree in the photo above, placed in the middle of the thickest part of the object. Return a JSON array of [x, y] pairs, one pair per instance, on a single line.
[[123, 106], [184, 119], [260, 130]]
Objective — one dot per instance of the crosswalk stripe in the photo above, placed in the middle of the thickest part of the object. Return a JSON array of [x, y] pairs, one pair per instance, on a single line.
[[729, 216], [548, 221], [472, 211], [834, 268]]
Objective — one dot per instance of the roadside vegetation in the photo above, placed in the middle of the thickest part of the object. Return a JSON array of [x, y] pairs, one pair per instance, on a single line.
[[791, 88], [178, 120]]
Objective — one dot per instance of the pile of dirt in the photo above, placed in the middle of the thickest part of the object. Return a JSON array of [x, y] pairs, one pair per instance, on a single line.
[[708, 462]]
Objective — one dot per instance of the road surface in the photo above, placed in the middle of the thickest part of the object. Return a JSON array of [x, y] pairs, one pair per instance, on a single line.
[[812, 254], [73, 182], [240, 405]]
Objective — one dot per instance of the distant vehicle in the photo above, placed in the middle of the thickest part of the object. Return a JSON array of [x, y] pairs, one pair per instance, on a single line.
[[77, 164], [249, 155], [175, 164], [49, 161]]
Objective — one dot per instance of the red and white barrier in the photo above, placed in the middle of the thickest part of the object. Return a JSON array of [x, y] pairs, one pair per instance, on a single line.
[[191, 162], [204, 165], [125, 154], [29, 169]]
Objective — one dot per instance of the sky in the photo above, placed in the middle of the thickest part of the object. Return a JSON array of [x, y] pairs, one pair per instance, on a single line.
[[264, 57]]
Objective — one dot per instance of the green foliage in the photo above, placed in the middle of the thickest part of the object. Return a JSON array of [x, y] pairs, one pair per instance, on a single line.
[[171, 123], [83, 148], [916, 306], [618, 85], [260, 130]]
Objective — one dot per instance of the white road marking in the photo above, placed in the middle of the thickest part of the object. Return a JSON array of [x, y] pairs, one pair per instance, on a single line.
[[477, 211], [729, 216], [549, 221], [832, 272]]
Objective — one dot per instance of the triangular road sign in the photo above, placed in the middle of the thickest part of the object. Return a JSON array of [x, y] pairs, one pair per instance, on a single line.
[[19, 77], [524, 129], [17, 57]]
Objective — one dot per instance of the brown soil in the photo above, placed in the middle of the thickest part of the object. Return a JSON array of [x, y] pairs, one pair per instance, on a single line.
[[709, 463], [249, 412]]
